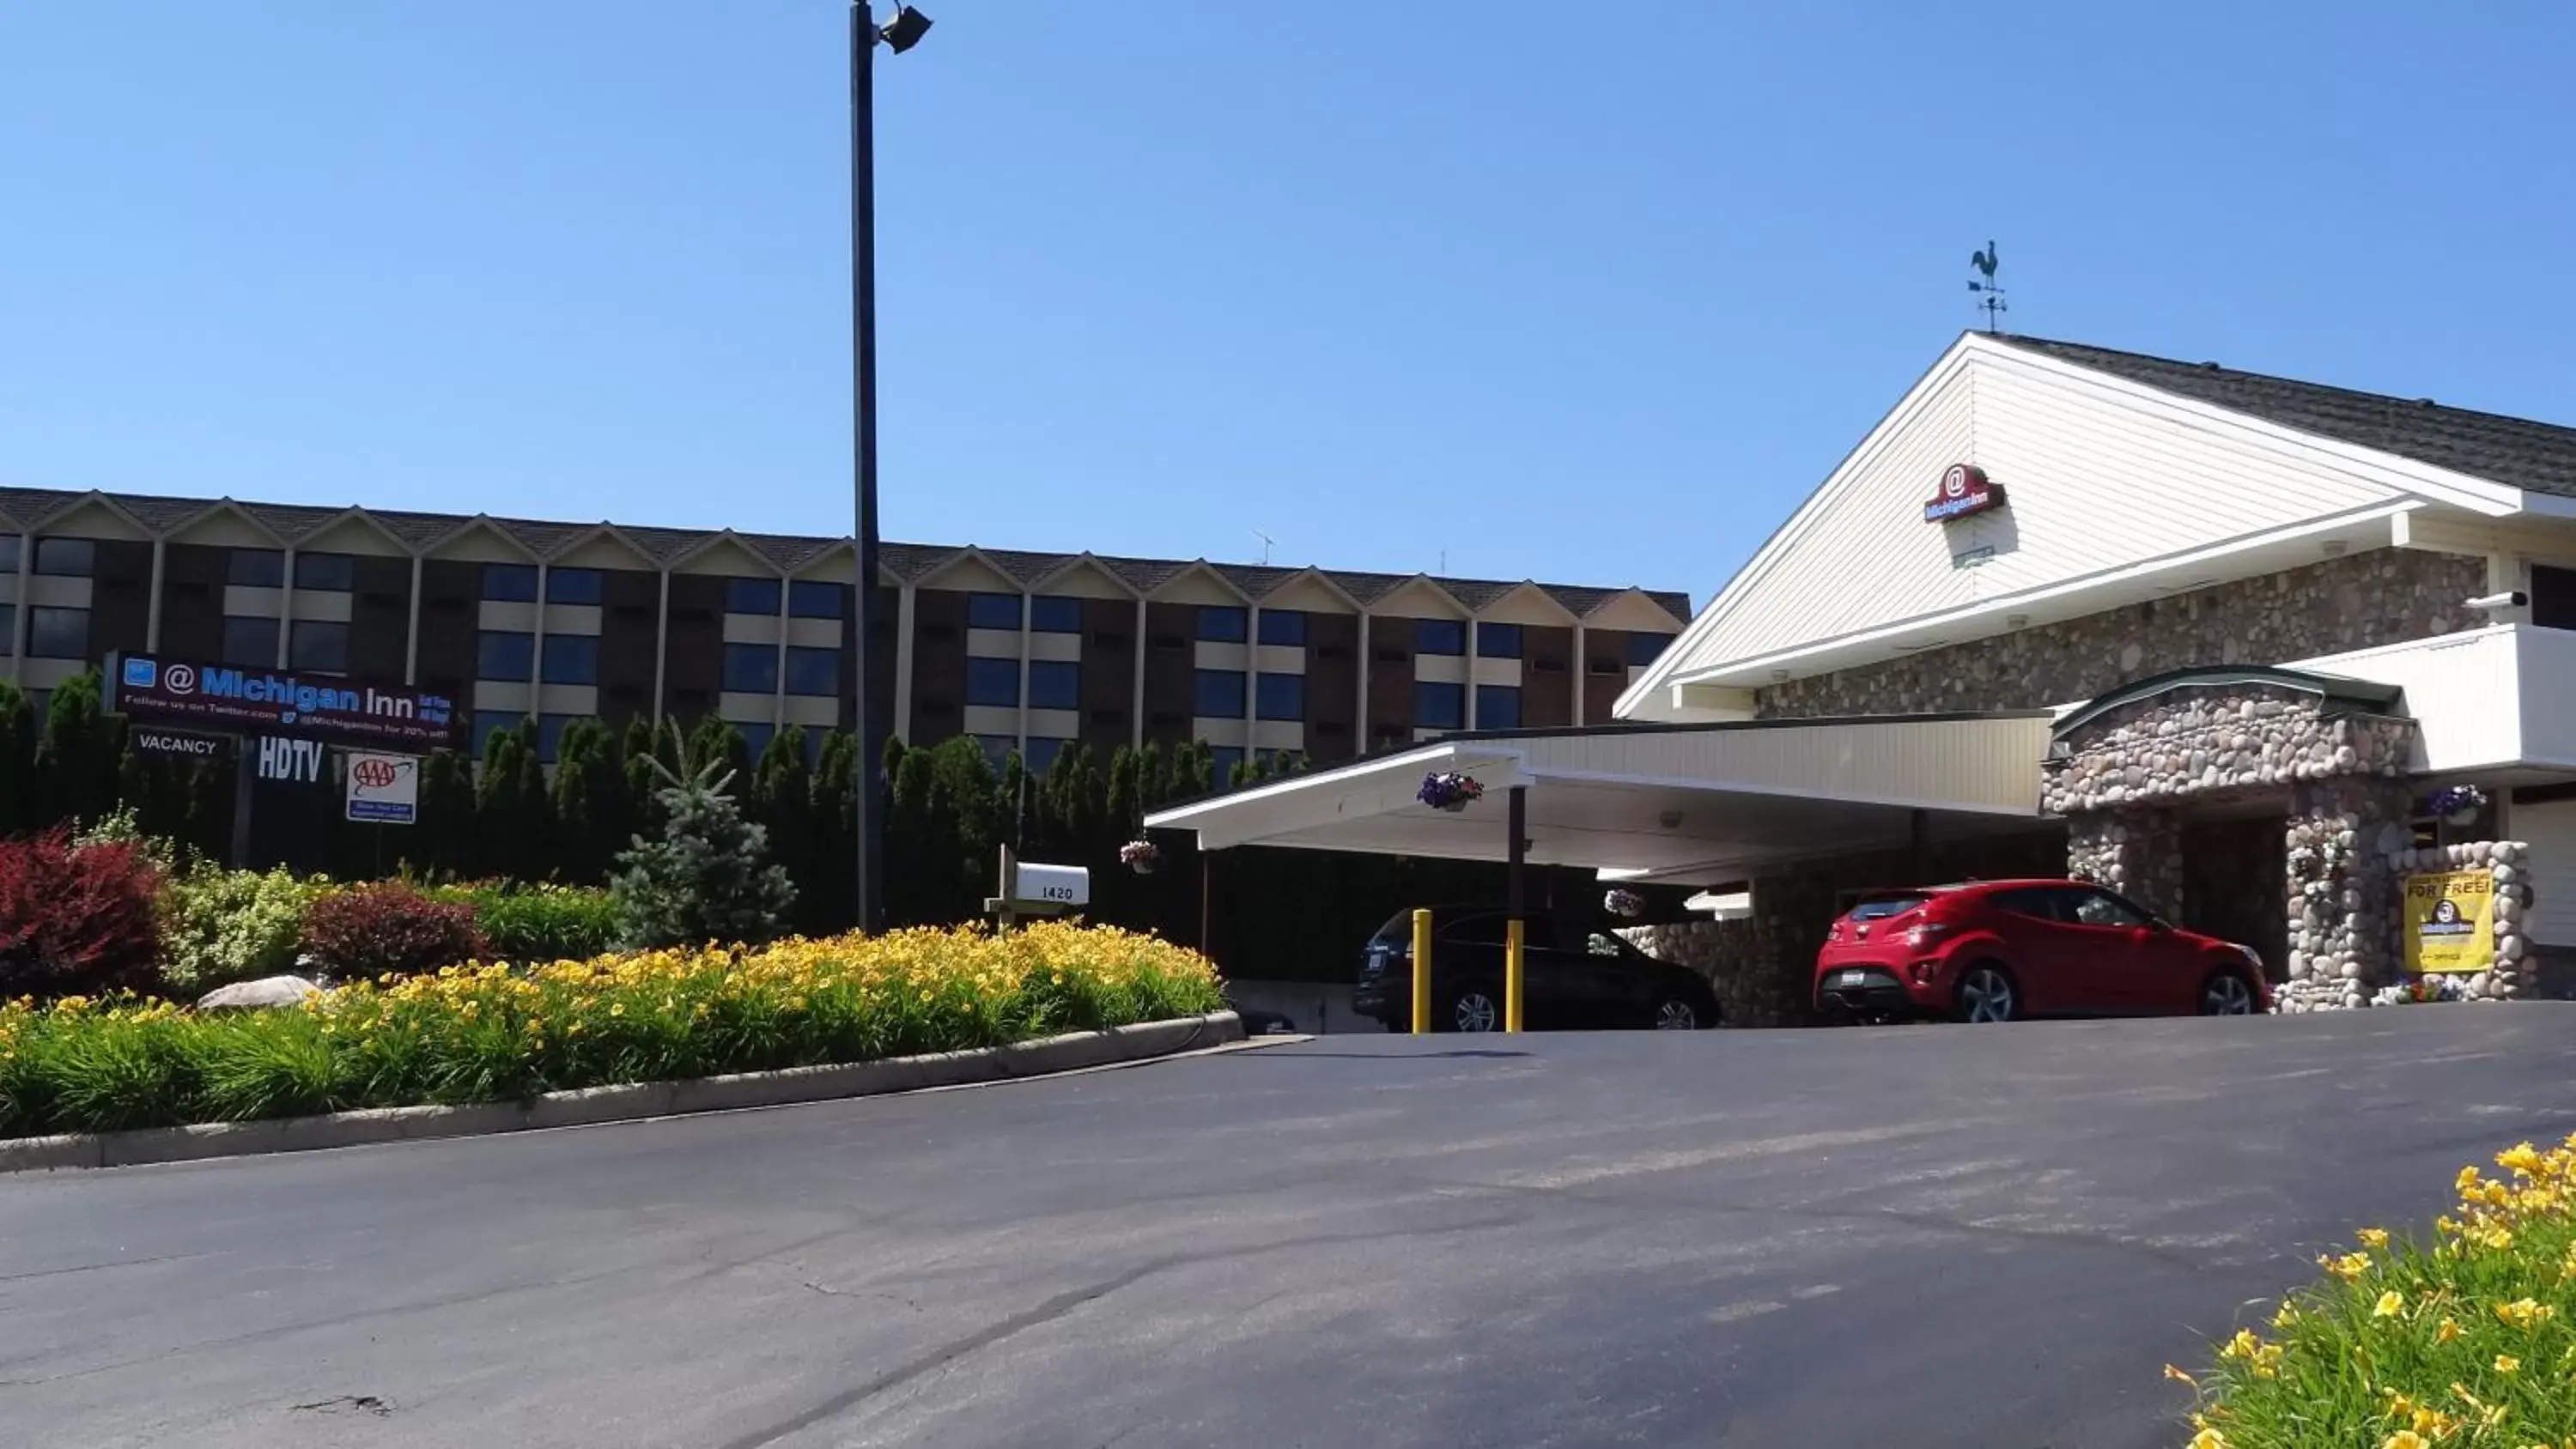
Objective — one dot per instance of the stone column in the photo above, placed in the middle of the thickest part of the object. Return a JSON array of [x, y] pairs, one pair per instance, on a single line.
[[2135, 852], [2342, 893]]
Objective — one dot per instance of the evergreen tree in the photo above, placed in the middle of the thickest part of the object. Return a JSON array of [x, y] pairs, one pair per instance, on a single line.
[[508, 832], [707, 879], [443, 842], [1012, 797], [1126, 799], [17, 761], [716, 741], [832, 808], [782, 800], [76, 764], [587, 798], [646, 742]]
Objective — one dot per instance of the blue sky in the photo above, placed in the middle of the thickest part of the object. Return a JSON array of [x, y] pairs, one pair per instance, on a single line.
[[1595, 294]]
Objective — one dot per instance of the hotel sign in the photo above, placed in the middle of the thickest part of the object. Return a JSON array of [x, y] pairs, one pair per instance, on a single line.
[[280, 702], [1965, 492]]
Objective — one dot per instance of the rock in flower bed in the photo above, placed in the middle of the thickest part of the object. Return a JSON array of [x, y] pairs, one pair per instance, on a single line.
[[495, 1032], [2469, 1338]]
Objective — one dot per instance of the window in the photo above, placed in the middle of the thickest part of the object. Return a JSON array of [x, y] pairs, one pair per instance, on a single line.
[[2101, 908], [756, 735], [2553, 597], [10, 543], [319, 645], [1284, 627], [550, 727], [250, 643], [1054, 684], [993, 682], [1439, 636], [2038, 904], [1498, 641], [1218, 694], [752, 596], [1280, 696], [1645, 649], [993, 611], [255, 568], [489, 721], [66, 557], [573, 586], [1221, 623], [1041, 754], [1228, 760], [500, 655], [336, 572], [510, 583], [807, 599], [57, 633], [1498, 706], [813, 671], [8, 630], [1054, 614], [751, 669], [998, 750], [571, 658], [1607, 664], [1439, 706]]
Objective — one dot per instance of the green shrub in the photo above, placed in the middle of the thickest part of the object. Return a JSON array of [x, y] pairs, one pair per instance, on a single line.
[[708, 878], [221, 926], [538, 924]]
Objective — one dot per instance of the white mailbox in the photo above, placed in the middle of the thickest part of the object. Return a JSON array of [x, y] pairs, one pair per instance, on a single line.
[[1037, 890]]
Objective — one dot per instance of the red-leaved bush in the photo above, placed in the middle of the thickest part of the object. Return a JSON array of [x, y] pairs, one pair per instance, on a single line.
[[76, 919], [388, 930]]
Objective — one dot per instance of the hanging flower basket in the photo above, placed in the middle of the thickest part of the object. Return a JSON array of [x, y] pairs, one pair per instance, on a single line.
[[1141, 856], [2458, 804], [1625, 904], [1449, 790]]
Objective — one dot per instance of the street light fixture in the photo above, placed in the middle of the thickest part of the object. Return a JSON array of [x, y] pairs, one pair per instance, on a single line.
[[898, 35]]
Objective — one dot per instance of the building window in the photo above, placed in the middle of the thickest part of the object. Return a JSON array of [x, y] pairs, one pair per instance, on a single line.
[[1498, 641], [1042, 753], [1439, 706], [255, 568], [753, 596], [571, 658], [510, 583], [10, 543], [318, 645], [335, 572], [994, 682], [756, 735], [488, 722], [1218, 694], [499, 655], [751, 669], [573, 586], [1054, 614], [250, 643], [1284, 627], [807, 599], [66, 558], [993, 611], [1498, 707], [1221, 623], [1280, 696], [57, 633], [1228, 759], [813, 671], [1645, 649], [8, 630], [998, 750], [1439, 636], [1054, 684], [2553, 597]]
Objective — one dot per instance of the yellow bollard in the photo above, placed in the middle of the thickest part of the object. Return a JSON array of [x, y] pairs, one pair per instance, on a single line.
[[1513, 978], [1421, 973]]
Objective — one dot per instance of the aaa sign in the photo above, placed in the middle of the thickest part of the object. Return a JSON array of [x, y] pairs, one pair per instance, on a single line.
[[2450, 922], [384, 789]]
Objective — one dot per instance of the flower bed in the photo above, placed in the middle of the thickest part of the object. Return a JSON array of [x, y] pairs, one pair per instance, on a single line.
[[494, 1033], [2467, 1339]]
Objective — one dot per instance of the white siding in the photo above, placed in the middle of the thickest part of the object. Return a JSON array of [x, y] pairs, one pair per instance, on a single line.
[[2551, 831]]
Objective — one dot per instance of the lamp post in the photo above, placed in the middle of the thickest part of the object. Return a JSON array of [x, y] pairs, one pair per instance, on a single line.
[[898, 35]]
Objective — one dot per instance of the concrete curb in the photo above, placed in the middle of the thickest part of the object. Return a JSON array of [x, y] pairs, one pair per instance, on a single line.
[[633, 1102]]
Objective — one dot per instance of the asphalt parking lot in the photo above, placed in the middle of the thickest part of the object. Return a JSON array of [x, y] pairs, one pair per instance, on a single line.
[[1926, 1236]]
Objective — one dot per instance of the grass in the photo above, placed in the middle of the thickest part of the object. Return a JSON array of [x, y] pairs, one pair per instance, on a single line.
[[496, 1033], [2467, 1337]]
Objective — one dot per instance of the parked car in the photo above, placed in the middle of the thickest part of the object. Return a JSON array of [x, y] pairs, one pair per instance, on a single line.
[[2001, 950], [1594, 980]]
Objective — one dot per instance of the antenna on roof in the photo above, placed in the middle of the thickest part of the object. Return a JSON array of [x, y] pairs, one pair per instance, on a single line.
[[1990, 297], [1266, 542]]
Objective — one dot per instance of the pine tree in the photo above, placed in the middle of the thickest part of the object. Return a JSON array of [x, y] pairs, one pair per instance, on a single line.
[[587, 793], [508, 830], [782, 800], [1126, 798], [76, 764], [646, 742], [707, 879], [716, 741], [832, 808], [444, 839], [17, 761]]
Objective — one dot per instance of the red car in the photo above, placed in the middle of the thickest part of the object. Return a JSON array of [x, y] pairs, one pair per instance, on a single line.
[[2006, 949]]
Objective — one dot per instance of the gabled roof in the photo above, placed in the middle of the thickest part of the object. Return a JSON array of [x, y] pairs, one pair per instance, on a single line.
[[2514, 451]]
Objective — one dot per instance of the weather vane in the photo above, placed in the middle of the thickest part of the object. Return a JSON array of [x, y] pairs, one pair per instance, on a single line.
[[1990, 296]]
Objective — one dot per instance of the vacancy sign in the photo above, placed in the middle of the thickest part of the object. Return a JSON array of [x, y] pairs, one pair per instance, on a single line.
[[384, 789]]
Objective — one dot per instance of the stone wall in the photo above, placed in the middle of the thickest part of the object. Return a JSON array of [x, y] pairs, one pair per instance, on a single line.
[[2516, 970], [2222, 739], [2135, 852], [2381, 596], [2341, 842]]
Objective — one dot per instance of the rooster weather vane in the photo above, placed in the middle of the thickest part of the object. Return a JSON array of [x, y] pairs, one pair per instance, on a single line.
[[1990, 296]]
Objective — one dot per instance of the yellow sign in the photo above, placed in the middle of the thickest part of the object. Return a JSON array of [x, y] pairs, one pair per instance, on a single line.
[[2450, 922]]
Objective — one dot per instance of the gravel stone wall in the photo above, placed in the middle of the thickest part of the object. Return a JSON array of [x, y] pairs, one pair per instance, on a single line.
[[2516, 971], [2343, 918], [2197, 742], [2135, 852]]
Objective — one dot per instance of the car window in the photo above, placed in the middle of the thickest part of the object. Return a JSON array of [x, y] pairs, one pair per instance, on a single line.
[[1894, 903], [2101, 908], [2045, 905], [1603, 944], [1480, 930]]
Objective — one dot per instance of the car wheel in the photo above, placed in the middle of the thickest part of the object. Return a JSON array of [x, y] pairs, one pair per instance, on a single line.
[[1472, 1008], [2226, 993], [1987, 993], [1680, 1013]]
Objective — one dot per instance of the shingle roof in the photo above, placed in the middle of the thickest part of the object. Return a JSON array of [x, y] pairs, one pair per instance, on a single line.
[[2516, 452]]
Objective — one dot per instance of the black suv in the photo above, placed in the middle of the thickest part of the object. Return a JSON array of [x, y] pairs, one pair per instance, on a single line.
[[1596, 980]]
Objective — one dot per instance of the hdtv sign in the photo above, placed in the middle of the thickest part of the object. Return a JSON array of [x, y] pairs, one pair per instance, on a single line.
[[269, 702]]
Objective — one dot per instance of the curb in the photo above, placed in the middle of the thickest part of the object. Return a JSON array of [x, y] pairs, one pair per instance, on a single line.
[[632, 1102]]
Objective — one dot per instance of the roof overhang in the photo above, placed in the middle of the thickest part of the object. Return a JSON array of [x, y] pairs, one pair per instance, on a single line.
[[1695, 803]]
